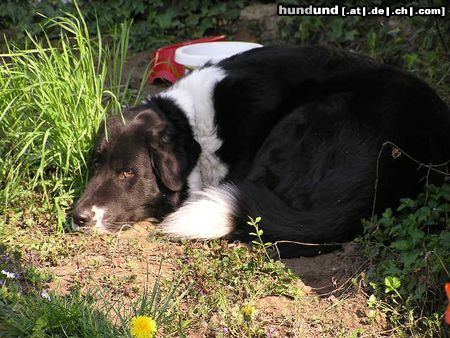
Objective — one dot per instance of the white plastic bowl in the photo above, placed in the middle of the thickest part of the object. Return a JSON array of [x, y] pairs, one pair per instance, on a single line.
[[196, 55]]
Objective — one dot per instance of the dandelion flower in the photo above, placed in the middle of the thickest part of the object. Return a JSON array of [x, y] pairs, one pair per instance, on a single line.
[[248, 311], [143, 327]]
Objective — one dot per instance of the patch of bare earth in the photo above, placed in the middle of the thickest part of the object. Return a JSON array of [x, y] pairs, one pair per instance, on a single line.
[[334, 304], [121, 265]]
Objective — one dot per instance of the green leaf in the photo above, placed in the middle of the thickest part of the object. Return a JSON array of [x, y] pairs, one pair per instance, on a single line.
[[409, 258], [164, 20], [402, 245], [444, 239], [391, 283], [423, 214], [39, 326], [407, 203], [416, 236]]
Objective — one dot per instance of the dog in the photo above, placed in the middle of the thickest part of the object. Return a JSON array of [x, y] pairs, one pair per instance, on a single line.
[[310, 139]]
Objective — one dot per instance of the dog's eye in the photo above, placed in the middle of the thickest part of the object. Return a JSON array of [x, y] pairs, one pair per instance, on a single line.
[[96, 163], [127, 173]]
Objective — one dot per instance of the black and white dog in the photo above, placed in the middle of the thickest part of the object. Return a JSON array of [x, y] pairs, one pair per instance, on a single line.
[[292, 134]]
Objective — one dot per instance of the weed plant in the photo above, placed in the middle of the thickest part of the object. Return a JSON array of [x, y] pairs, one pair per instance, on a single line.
[[223, 284], [409, 251]]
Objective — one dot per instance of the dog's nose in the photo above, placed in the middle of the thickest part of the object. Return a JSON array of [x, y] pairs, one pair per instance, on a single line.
[[82, 217]]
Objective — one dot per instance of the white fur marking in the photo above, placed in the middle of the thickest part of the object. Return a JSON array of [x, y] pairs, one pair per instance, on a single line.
[[98, 217], [206, 215], [75, 227], [194, 180], [194, 95]]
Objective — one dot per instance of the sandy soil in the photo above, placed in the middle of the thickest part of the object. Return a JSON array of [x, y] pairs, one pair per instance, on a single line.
[[124, 264]]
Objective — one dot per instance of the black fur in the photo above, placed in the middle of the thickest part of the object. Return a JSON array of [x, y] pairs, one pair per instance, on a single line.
[[157, 147], [303, 130]]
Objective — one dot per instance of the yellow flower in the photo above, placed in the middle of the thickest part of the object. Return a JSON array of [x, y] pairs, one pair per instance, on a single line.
[[247, 311], [143, 327]]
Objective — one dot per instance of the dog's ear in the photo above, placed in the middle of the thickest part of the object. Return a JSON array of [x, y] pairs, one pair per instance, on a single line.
[[173, 159], [168, 167], [173, 152]]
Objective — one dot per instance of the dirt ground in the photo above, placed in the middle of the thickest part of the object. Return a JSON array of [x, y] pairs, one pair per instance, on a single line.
[[125, 263]]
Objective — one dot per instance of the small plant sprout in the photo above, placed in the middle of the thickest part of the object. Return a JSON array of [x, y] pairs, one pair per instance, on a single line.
[[392, 285], [143, 327], [258, 242]]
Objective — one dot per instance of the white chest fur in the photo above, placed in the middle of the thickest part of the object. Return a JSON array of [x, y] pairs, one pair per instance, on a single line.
[[194, 95]]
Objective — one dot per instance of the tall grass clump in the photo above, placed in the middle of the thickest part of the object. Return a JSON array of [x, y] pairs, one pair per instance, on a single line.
[[53, 96]]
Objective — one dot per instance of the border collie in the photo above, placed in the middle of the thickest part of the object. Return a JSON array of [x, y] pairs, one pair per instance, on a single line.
[[296, 135]]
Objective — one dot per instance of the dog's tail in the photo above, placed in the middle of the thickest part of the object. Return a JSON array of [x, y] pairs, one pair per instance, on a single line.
[[223, 212]]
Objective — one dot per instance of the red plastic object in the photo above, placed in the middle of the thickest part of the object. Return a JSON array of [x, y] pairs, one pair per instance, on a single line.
[[163, 65], [447, 312]]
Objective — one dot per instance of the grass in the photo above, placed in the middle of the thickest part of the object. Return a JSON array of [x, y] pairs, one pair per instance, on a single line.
[[34, 316], [53, 98], [40, 314]]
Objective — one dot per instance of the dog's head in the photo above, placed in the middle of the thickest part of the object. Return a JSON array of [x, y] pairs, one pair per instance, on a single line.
[[141, 161]]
